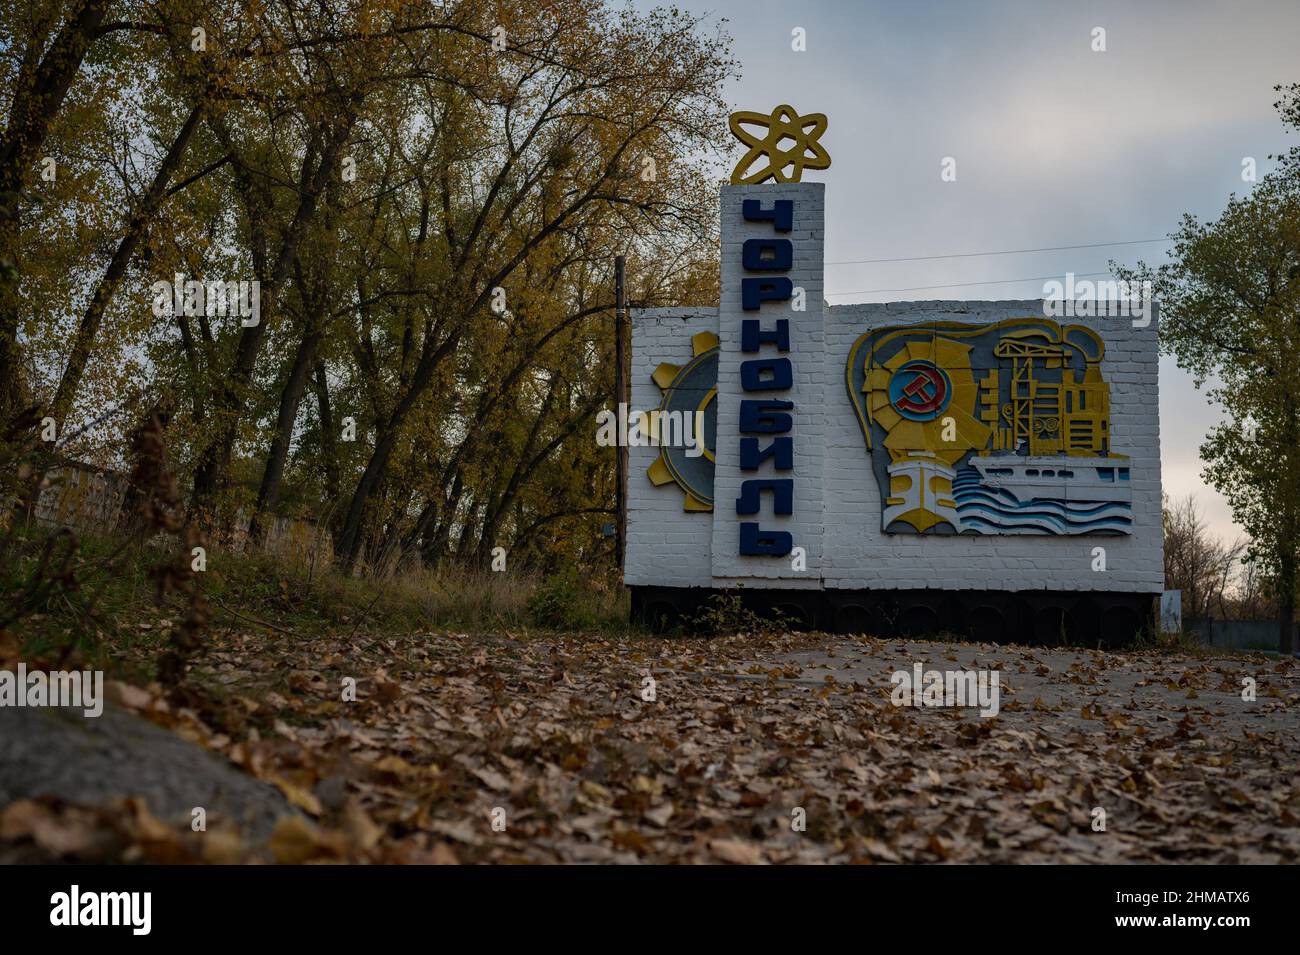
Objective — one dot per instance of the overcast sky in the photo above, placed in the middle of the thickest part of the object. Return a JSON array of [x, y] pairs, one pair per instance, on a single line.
[[1055, 144]]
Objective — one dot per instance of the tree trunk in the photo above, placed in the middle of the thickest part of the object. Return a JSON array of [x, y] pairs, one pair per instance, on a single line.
[[377, 467], [495, 511], [468, 533], [112, 277], [329, 446], [424, 523], [1289, 532], [230, 401], [1286, 580], [268, 493], [37, 100], [434, 549], [88, 327], [1286, 612]]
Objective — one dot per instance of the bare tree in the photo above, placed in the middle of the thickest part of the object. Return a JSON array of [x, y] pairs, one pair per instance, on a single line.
[[1201, 566]]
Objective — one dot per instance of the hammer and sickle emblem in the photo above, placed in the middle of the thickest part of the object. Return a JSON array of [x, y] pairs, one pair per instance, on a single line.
[[919, 390]]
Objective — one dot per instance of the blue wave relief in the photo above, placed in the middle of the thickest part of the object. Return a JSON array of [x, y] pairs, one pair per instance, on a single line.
[[988, 510]]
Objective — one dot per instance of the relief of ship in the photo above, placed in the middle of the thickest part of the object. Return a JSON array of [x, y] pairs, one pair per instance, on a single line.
[[1076, 478], [1048, 494]]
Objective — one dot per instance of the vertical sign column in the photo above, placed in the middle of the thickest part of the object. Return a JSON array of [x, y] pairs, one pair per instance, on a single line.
[[768, 508]]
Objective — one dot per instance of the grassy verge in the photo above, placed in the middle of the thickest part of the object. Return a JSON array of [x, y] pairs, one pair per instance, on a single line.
[[105, 608]]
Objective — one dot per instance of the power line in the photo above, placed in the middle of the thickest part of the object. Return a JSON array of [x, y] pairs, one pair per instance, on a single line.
[[921, 288], [968, 255]]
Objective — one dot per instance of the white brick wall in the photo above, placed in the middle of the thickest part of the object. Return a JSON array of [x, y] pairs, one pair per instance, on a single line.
[[665, 545], [837, 501], [807, 354]]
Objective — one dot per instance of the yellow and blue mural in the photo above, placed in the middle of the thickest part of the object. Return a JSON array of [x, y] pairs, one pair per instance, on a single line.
[[990, 429], [690, 390]]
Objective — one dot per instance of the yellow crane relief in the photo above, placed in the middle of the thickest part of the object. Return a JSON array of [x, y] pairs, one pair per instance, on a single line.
[[1043, 417]]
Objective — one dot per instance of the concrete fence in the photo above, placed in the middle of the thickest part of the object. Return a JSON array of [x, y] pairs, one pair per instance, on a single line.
[[1235, 634]]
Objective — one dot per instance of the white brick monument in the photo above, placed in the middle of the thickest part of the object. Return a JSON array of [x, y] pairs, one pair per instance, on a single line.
[[987, 468]]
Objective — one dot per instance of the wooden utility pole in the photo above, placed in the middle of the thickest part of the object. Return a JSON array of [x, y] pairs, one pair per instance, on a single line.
[[620, 397]]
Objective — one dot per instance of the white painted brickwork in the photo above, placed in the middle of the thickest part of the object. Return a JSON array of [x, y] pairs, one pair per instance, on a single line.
[[665, 545], [808, 356], [837, 501]]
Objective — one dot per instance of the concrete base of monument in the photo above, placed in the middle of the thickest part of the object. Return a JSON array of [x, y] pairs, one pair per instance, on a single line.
[[1077, 618]]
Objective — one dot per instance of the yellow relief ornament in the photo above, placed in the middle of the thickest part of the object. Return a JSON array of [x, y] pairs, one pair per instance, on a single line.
[[690, 395], [783, 125]]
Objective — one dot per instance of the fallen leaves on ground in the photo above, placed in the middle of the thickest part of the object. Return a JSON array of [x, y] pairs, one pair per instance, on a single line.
[[754, 749]]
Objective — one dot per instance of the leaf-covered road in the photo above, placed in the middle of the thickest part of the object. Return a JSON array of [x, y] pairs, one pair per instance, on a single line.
[[545, 749]]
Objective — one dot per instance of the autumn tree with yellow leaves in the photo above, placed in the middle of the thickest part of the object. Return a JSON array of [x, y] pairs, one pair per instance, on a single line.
[[1230, 310], [429, 198]]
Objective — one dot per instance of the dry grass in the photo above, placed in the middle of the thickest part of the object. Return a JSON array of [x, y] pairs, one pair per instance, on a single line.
[[111, 613]]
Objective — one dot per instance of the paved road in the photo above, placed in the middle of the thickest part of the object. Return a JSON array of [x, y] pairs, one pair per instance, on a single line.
[[743, 749]]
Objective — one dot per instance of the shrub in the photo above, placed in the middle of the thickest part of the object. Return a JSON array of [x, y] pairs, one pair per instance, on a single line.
[[559, 604], [725, 613]]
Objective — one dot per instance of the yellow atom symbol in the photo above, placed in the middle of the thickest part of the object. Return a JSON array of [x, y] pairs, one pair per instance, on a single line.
[[784, 126]]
